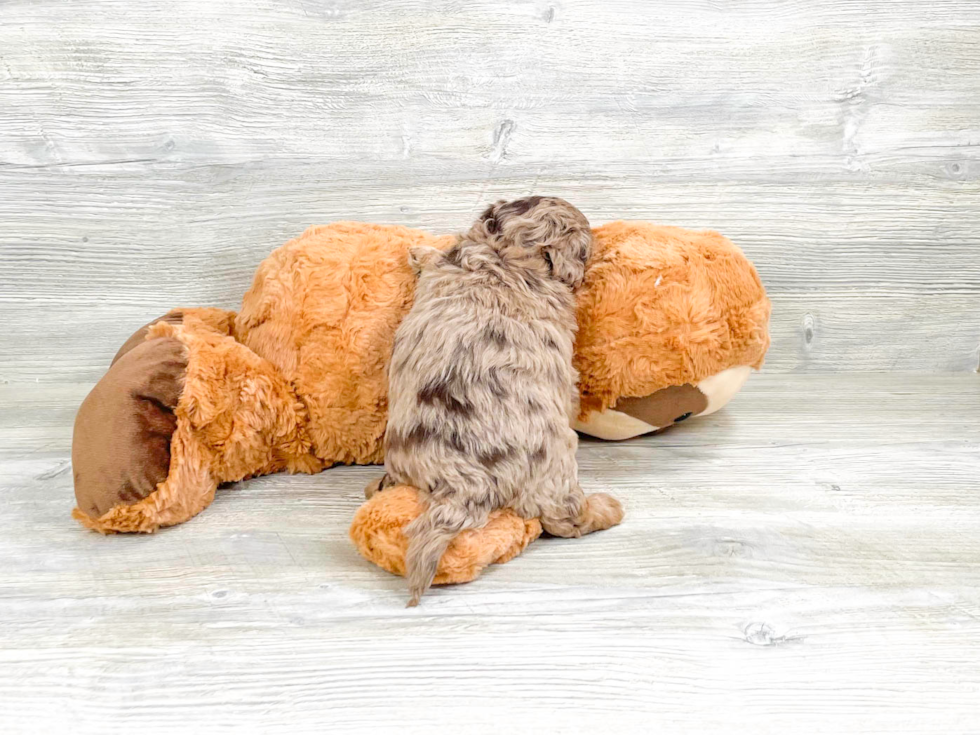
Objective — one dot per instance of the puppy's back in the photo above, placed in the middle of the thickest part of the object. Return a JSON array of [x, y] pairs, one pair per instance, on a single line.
[[481, 377]]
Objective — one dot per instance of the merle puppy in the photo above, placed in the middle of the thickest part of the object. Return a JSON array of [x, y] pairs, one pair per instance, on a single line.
[[481, 383]]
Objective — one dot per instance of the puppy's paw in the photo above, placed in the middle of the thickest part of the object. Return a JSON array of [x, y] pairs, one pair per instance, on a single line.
[[602, 511], [419, 256]]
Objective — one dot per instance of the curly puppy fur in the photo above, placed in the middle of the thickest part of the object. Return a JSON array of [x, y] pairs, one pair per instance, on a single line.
[[481, 382]]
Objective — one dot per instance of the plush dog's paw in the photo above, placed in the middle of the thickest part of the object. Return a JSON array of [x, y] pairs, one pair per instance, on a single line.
[[378, 533]]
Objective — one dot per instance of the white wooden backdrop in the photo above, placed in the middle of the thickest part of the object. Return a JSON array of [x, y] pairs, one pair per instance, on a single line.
[[152, 152], [804, 561]]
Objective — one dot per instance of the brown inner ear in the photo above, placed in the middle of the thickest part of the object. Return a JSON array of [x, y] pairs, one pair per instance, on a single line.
[[139, 337], [123, 430], [666, 406]]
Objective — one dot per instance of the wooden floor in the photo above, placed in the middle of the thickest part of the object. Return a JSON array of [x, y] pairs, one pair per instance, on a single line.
[[807, 560]]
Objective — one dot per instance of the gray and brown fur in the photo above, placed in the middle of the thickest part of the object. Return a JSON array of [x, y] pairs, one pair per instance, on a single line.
[[481, 383]]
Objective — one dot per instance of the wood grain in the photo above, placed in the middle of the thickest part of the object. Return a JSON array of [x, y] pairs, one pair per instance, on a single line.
[[804, 561], [812, 568], [151, 155]]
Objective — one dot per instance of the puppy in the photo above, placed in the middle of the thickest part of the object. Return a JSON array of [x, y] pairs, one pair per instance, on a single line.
[[481, 383]]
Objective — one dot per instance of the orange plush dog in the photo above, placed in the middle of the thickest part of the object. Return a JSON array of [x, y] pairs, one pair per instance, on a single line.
[[670, 324]]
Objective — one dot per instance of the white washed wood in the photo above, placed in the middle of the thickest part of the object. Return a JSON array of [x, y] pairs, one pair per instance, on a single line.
[[151, 154], [806, 560]]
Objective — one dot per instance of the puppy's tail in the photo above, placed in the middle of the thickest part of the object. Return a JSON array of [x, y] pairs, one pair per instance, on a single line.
[[428, 537]]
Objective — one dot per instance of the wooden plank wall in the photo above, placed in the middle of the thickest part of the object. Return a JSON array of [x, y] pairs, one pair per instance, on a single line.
[[152, 153]]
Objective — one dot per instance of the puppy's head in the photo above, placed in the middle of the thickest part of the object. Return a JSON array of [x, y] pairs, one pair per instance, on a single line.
[[547, 231]]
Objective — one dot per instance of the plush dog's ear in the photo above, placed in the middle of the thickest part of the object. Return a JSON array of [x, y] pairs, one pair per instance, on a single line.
[[568, 253], [419, 256]]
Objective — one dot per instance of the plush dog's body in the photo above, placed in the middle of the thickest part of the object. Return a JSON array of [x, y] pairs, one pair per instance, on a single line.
[[481, 383]]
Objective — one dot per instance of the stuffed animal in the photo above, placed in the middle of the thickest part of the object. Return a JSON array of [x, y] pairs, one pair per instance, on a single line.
[[671, 322]]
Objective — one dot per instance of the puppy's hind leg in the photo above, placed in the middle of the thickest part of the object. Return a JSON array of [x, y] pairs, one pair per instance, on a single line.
[[430, 534], [578, 514]]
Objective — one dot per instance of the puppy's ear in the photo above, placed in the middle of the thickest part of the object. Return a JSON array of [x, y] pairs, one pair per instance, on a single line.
[[567, 255], [490, 219], [419, 256]]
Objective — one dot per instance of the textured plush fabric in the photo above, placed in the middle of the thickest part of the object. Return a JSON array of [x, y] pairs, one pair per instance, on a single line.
[[377, 532], [665, 306], [123, 431], [323, 309], [139, 336], [297, 381], [236, 417]]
